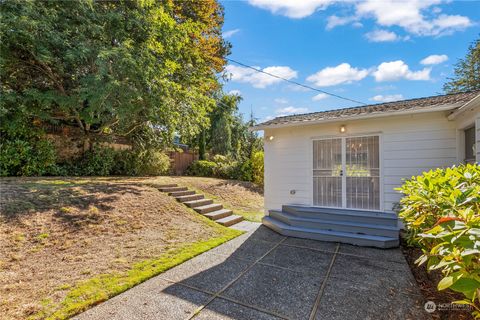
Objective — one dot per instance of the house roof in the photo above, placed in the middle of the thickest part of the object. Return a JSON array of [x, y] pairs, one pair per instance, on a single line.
[[434, 103]]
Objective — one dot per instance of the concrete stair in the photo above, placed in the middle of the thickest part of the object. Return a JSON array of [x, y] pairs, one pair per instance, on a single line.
[[357, 227], [172, 189], [191, 197], [200, 204], [181, 193]]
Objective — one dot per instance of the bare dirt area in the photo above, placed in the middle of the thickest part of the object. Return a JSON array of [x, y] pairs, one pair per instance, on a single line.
[[56, 232], [427, 281], [245, 198]]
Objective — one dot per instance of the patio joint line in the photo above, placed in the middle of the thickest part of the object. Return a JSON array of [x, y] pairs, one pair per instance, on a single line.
[[313, 313], [227, 298], [196, 311]]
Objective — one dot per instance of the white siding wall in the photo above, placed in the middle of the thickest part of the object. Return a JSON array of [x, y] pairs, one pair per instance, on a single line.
[[409, 145], [477, 126]]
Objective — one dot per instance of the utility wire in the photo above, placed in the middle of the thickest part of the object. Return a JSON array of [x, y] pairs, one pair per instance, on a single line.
[[296, 83]]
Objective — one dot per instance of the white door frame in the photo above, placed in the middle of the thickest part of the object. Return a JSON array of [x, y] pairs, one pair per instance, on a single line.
[[344, 177]]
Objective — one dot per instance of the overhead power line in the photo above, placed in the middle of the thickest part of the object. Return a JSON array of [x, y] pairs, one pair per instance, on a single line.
[[295, 82]]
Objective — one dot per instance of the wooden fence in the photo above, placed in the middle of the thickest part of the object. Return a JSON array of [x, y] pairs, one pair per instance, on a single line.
[[181, 161]]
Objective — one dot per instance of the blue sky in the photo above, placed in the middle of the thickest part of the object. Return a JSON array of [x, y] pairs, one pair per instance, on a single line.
[[371, 51]]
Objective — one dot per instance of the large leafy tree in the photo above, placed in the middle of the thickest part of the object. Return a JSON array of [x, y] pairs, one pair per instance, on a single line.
[[467, 71], [110, 67]]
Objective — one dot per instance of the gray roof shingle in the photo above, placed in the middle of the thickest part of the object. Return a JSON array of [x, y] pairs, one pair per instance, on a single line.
[[455, 100]]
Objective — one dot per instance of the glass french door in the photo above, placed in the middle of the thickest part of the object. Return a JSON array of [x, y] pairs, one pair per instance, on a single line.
[[346, 172]]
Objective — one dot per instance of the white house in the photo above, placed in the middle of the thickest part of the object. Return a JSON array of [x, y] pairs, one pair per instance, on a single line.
[[331, 175]]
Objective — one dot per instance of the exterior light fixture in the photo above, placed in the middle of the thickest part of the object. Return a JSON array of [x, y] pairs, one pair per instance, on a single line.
[[270, 138], [343, 129]]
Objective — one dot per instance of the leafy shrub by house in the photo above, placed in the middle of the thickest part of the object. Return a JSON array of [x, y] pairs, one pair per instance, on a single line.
[[153, 163], [441, 212]]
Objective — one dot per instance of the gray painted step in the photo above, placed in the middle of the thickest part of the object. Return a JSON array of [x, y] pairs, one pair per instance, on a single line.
[[208, 208], [230, 220], [332, 214], [181, 193], [344, 226], [198, 203], [167, 185], [333, 236], [171, 189], [190, 197], [218, 214]]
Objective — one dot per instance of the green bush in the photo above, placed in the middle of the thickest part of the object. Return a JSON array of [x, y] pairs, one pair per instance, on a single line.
[[441, 212], [153, 163], [99, 161], [201, 168], [33, 157], [257, 167]]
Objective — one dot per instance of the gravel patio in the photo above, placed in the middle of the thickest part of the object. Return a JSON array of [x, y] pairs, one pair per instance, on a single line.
[[263, 275]]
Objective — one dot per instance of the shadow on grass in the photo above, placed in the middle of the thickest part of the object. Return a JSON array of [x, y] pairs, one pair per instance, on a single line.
[[75, 201]]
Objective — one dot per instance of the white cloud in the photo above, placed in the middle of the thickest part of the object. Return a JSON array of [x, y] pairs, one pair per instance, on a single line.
[[409, 14], [289, 110], [343, 73], [336, 21], [235, 92], [397, 70], [257, 79], [387, 98], [230, 33], [320, 96], [381, 36], [434, 59], [419, 17], [281, 100], [292, 8]]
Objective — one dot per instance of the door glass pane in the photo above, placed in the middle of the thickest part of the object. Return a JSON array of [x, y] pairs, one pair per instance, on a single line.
[[327, 166], [362, 173]]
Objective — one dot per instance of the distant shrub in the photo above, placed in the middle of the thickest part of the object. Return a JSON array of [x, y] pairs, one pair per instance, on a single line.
[[153, 163], [441, 212], [201, 168], [32, 157], [99, 161], [258, 167]]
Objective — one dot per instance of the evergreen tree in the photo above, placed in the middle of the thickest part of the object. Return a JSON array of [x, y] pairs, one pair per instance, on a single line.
[[466, 72]]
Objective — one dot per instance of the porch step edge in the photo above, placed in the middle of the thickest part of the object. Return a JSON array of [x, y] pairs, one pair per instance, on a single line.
[[332, 236]]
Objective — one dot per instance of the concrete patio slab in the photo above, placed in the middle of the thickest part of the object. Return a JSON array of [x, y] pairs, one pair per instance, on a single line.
[[302, 260], [394, 255], [312, 244], [263, 275], [281, 291], [221, 309], [157, 299], [208, 272], [345, 300]]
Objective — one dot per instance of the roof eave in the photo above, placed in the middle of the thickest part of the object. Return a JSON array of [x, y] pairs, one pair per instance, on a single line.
[[463, 108], [440, 108]]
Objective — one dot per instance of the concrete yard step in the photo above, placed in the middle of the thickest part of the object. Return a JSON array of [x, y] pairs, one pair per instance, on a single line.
[[181, 193], [167, 185], [333, 214], [190, 197], [208, 208], [198, 203], [327, 235], [230, 220], [172, 189], [343, 226], [219, 214]]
